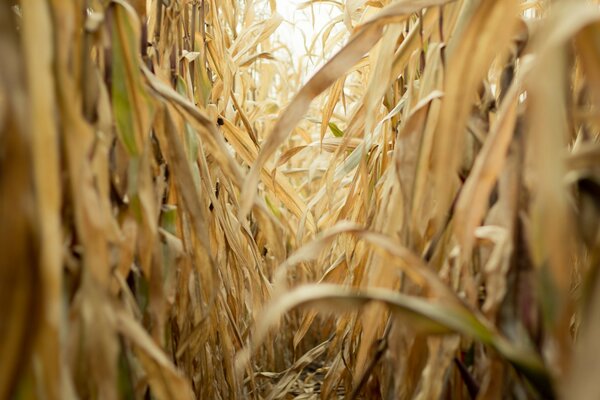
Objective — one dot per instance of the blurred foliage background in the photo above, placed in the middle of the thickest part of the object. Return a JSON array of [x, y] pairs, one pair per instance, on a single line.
[[188, 211]]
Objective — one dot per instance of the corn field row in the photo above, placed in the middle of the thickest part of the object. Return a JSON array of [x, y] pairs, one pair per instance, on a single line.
[[187, 210]]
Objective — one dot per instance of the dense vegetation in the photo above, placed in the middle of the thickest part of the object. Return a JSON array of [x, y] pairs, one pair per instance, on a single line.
[[186, 212]]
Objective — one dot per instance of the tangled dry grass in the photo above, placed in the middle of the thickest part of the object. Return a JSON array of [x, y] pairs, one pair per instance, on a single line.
[[181, 216]]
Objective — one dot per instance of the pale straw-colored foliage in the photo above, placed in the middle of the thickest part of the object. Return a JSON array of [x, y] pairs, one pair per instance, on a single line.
[[187, 212]]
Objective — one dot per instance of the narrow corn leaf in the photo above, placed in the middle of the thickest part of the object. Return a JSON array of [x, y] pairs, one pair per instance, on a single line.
[[421, 314], [337, 132]]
